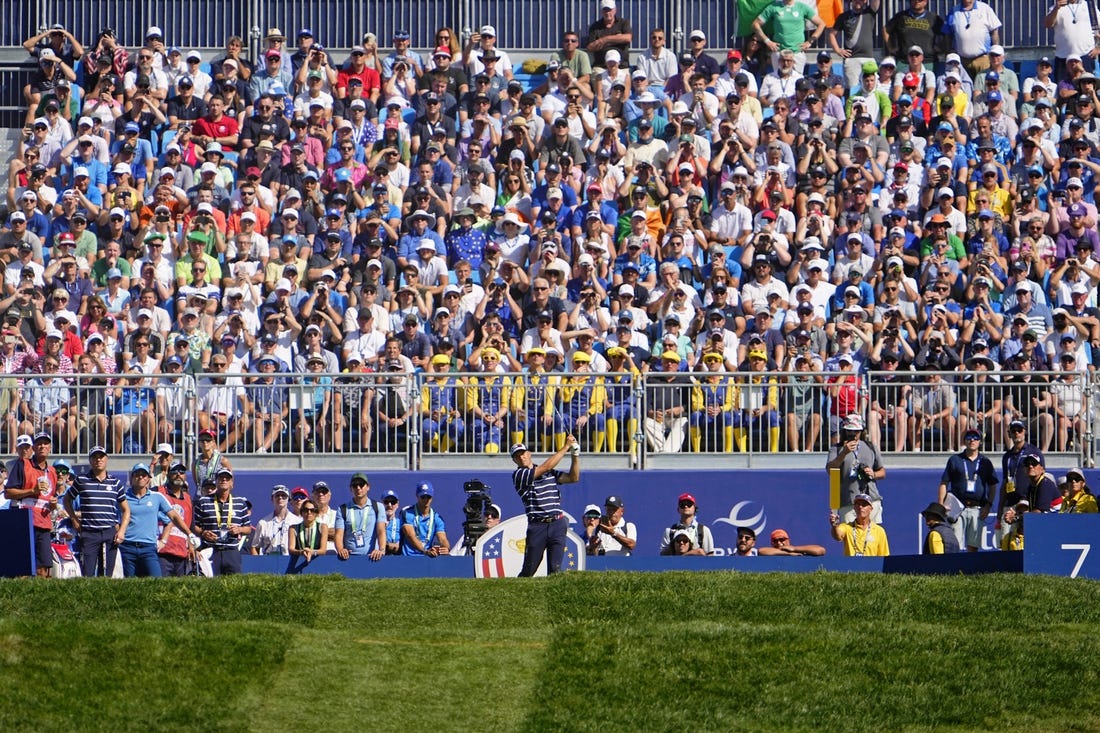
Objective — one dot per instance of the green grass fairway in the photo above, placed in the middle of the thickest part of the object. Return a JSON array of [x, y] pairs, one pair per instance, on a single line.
[[608, 652]]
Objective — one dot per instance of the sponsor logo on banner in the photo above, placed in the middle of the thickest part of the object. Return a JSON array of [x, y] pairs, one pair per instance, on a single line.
[[499, 552], [743, 514]]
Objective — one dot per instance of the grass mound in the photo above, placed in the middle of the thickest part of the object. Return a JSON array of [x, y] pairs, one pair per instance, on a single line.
[[597, 651]]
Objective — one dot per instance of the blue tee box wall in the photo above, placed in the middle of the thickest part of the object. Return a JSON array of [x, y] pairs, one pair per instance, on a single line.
[[797, 501]]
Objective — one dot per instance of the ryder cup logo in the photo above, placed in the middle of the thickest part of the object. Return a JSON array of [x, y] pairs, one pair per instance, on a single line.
[[743, 514], [499, 552]]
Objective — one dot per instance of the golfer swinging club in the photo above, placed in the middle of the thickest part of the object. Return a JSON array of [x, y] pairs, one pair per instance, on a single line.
[[537, 486]]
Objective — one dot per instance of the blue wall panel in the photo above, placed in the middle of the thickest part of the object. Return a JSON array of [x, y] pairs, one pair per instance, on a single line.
[[794, 500]]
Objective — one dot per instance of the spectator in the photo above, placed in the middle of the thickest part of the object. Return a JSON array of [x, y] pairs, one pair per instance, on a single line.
[[698, 535], [862, 537], [616, 536], [423, 531], [970, 479], [781, 545]]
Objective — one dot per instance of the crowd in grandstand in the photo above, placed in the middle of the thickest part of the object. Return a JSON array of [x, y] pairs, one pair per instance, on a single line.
[[755, 228]]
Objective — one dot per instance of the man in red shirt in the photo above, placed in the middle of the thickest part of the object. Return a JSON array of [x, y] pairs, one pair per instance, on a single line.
[[216, 127], [357, 67], [32, 484], [176, 553]]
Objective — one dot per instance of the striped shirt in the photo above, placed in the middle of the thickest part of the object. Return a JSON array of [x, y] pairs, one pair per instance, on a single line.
[[99, 500], [541, 497], [218, 516]]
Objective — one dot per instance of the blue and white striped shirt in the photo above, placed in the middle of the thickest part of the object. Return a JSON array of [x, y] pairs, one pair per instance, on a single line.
[[218, 516], [541, 497], [99, 500]]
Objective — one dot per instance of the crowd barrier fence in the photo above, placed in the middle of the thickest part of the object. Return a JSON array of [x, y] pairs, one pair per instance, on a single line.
[[435, 421]]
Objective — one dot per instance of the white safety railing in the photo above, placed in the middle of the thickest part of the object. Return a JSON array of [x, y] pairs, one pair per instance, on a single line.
[[406, 420]]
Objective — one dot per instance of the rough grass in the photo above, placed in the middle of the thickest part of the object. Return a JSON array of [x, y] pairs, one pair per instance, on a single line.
[[586, 652]]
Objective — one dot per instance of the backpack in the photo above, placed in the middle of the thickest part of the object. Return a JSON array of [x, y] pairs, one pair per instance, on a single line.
[[698, 532], [379, 513]]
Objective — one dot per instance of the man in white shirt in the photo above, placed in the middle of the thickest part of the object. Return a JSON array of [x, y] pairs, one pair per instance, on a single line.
[[615, 536]]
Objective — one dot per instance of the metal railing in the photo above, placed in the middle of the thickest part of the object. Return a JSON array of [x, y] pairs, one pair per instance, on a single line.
[[401, 420], [933, 410], [13, 107], [527, 25], [126, 414]]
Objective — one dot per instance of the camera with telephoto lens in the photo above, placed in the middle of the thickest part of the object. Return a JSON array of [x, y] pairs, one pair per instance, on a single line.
[[476, 509]]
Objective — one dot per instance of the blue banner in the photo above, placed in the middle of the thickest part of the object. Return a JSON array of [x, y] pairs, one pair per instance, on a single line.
[[1062, 544], [797, 501], [16, 543]]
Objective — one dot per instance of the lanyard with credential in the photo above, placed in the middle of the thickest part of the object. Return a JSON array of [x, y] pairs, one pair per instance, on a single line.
[[218, 513], [351, 517], [866, 538], [306, 540]]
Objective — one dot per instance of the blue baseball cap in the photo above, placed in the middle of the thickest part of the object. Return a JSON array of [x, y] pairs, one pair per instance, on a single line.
[[305, 33], [140, 467], [424, 488]]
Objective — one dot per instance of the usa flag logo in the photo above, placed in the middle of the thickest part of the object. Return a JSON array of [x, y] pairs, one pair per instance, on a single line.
[[499, 552]]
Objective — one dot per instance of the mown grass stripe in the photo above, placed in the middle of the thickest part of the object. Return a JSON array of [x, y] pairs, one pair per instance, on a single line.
[[600, 651]]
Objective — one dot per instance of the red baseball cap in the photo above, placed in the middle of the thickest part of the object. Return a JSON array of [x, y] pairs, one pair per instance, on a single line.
[[734, 54], [687, 497], [780, 534], [910, 80]]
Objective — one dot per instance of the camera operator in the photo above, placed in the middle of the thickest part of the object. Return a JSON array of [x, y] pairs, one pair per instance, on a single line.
[[481, 515], [860, 468]]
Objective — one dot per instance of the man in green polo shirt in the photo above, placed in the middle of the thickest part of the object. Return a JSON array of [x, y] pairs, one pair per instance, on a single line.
[[786, 30]]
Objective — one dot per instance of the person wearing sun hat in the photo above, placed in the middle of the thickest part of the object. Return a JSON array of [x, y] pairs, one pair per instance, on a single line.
[[941, 539], [442, 425], [712, 404], [761, 394], [583, 404], [1078, 497], [619, 383], [533, 401], [488, 402]]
